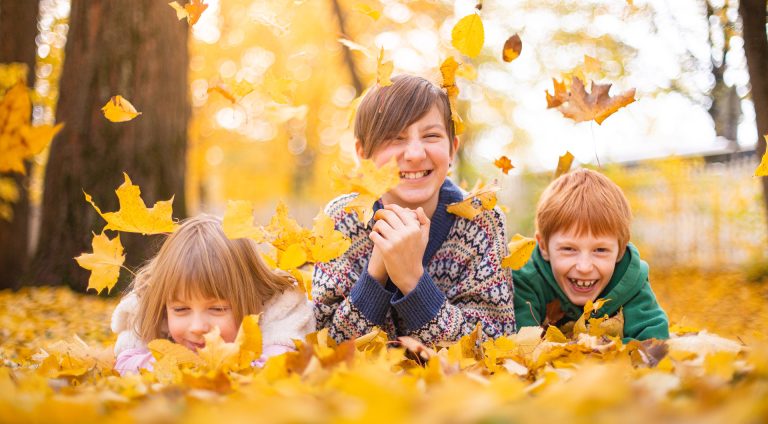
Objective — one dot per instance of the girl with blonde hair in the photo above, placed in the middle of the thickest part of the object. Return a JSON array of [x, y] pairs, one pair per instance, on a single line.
[[200, 280]]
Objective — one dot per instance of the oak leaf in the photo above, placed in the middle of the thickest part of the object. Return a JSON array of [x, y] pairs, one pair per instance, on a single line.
[[134, 216], [564, 164], [369, 182], [479, 199], [119, 109], [383, 70], [468, 35], [504, 164], [520, 250], [512, 48], [191, 11], [582, 106], [104, 263]]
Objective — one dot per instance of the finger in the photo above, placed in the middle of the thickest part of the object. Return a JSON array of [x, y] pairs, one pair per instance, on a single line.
[[390, 217], [421, 216], [383, 228], [400, 210], [378, 241], [408, 216]]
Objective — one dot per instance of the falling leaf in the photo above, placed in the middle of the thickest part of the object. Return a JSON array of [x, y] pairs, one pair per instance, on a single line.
[[238, 221], [512, 48], [119, 109], [560, 94], [467, 71], [280, 89], [564, 164], [38, 138], [383, 70], [520, 250], [448, 71], [354, 46], [369, 182], [591, 64], [104, 263], [504, 164], [582, 106], [762, 169], [368, 11], [134, 216], [482, 198], [191, 10], [468, 35]]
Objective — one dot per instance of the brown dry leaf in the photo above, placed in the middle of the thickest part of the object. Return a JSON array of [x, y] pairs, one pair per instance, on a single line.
[[104, 263], [504, 164], [564, 164], [520, 250], [582, 106], [383, 70], [554, 313], [512, 48], [482, 198]]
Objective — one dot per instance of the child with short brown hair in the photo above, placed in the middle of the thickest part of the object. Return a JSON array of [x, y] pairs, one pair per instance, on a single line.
[[417, 270], [583, 253]]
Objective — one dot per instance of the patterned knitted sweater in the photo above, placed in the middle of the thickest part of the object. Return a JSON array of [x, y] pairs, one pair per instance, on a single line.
[[463, 282]]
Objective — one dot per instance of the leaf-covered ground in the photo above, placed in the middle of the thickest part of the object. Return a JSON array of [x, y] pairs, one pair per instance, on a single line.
[[48, 375]]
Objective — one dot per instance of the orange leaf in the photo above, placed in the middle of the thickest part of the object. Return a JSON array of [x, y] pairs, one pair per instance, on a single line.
[[512, 48], [191, 10], [504, 164], [478, 200], [564, 164], [582, 106]]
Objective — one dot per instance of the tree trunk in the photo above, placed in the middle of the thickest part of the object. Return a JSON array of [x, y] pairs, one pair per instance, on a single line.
[[18, 29], [726, 104], [753, 14], [137, 49]]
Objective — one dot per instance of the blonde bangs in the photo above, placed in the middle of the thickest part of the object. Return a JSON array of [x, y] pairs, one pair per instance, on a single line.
[[199, 261]]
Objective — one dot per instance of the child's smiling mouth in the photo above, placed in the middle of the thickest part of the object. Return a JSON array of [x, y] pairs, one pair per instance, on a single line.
[[414, 175], [582, 285]]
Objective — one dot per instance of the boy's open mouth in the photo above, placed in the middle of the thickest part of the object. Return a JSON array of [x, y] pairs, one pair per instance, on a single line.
[[582, 285], [414, 175]]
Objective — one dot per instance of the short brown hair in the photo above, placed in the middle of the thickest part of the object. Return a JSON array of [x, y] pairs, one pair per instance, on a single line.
[[199, 260], [385, 112], [585, 201]]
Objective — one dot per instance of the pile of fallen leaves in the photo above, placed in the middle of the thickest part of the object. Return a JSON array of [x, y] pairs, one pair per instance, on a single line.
[[57, 367]]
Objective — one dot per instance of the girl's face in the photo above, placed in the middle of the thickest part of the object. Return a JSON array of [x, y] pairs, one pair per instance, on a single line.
[[190, 319], [423, 153]]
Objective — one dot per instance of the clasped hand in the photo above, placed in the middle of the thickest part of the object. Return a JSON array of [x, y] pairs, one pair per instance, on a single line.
[[400, 237]]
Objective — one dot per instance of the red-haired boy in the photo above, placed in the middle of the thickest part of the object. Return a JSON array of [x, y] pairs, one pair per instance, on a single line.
[[583, 254]]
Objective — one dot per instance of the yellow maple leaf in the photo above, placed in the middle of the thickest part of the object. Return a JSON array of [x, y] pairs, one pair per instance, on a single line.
[[327, 242], [11, 74], [512, 48], [280, 89], [762, 169], [564, 164], [292, 257], [191, 11], [238, 221], [104, 263], [468, 35], [119, 109], [134, 216], [284, 231], [448, 70], [479, 199], [354, 46], [520, 250], [369, 182], [554, 334], [164, 348], [504, 164], [383, 70]]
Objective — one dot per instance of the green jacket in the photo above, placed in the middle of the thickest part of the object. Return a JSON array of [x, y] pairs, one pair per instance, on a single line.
[[628, 289]]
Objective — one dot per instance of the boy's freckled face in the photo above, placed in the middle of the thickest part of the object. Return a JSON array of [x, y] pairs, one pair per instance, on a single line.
[[582, 265], [423, 154], [190, 319]]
